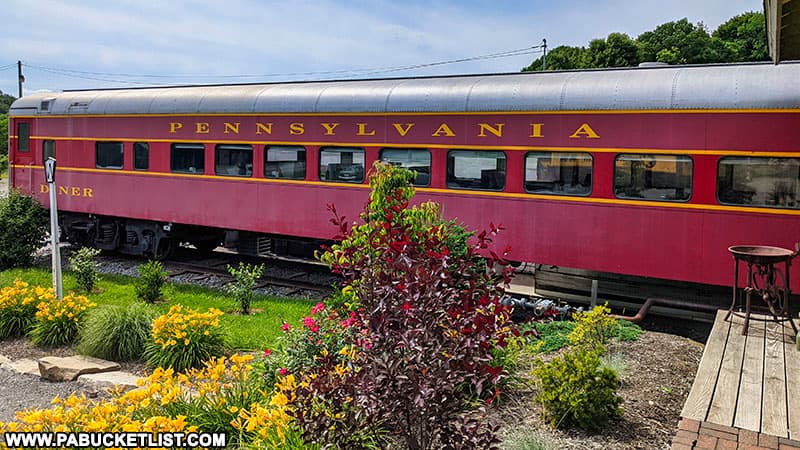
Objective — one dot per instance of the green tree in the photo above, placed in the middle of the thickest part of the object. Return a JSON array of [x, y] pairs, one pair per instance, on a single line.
[[3, 143], [5, 102], [562, 58], [744, 37], [691, 42], [618, 50]]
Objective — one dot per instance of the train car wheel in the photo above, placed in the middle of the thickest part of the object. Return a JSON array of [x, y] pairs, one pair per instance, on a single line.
[[164, 249], [207, 246]]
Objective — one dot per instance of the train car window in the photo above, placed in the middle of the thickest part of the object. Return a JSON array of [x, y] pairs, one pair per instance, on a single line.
[[283, 161], [558, 173], [23, 137], [48, 150], [108, 155], [471, 169], [766, 182], [341, 164], [418, 160], [187, 158], [653, 177], [234, 160], [141, 155]]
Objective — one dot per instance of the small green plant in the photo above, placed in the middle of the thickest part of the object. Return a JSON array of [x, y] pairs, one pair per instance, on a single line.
[[23, 229], [58, 321], [552, 335], [84, 267], [184, 338], [616, 362], [152, 277], [526, 438], [117, 333], [577, 390], [593, 328], [246, 276], [628, 331]]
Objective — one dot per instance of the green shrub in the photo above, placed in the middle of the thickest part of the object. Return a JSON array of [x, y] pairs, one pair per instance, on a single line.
[[58, 321], [3, 164], [23, 229], [576, 389], [152, 277], [628, 331], [84, 267], [246, 276], [428, 315], [593, 328], [116, 333], [553, 335], [18, 308], [184, 339]]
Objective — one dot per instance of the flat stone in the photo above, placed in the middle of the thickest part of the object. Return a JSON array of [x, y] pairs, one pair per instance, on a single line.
[[55, 368], [108, 380], [24, 365]]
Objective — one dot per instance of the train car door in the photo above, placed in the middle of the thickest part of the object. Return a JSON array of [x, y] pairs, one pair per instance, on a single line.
[[22, 156]]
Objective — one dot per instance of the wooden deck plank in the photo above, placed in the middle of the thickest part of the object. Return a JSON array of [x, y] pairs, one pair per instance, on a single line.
[[775, 421], [699, 399], [748, 407], [793, 384], [723, 403]]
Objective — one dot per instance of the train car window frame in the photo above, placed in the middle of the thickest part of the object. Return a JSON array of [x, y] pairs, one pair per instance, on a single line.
[[342, 171], [23, 137], [279, 165], [187, 155], [555, 174], [233, 160], [780, 193], [649, 162], [109, 155], [489, 178], [423, 171], [48, 149], [138, 157]]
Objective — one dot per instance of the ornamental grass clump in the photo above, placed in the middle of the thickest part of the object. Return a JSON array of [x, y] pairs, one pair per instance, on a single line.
[[18, 307], [117, 333], [184, 338], [58, 321]]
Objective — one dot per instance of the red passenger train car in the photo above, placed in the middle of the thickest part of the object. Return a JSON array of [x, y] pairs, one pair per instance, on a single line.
[[649, 172]]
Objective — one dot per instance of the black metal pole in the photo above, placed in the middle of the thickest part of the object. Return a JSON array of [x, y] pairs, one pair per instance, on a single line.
[[544, 58], [20, 78]]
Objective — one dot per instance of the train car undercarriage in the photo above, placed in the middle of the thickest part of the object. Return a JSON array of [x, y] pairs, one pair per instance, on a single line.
[[159, 240]]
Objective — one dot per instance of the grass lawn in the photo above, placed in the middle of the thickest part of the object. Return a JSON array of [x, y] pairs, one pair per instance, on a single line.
[[254, 332]]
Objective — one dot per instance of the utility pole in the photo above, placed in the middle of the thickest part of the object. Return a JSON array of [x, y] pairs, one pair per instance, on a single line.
[[20, 77], [544, 58]]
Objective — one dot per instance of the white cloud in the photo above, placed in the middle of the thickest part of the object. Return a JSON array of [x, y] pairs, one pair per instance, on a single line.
[[278, 37]]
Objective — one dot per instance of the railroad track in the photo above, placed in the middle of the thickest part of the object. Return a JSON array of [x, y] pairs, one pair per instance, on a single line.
[[282, 276], [203, 271]]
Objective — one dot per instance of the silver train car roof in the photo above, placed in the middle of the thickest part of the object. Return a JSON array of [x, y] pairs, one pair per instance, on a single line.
[[735, 86]]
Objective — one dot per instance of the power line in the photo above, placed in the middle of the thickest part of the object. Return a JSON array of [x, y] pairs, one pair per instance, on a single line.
[[104, 76]]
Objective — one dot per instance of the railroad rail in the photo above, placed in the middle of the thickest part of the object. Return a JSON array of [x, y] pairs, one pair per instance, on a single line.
[[291, 277]]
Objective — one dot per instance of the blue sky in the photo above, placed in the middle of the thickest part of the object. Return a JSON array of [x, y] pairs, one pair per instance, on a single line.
[[100, 43]]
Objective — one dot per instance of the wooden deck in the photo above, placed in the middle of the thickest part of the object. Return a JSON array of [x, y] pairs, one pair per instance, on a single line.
[[748, 382]]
